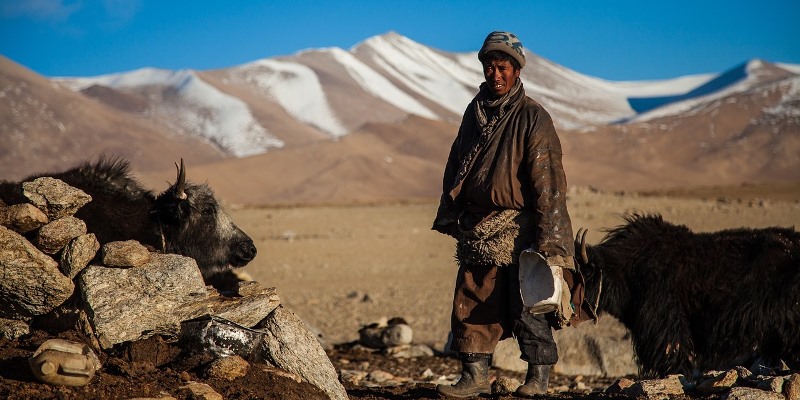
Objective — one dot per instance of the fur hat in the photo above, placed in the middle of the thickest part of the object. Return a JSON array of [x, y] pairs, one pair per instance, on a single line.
[[506, 42]]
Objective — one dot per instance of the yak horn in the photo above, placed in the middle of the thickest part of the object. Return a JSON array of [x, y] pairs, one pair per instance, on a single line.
[[180, 185], [580, 241]]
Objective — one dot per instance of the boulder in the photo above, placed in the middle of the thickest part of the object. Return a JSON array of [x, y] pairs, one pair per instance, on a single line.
[[30, 281], [127, 304], [290, 345], [135, 303], [54, 197]]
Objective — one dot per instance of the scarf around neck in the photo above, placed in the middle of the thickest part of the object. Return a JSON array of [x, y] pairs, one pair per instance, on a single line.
[[489, 110]]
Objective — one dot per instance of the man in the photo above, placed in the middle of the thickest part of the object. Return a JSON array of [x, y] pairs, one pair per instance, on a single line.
[[504, 191]]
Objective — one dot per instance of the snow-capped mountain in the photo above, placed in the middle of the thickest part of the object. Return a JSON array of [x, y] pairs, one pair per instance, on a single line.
[[385, 78], [340, 121]]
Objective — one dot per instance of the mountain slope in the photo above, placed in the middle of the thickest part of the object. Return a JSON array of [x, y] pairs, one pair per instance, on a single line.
[[376, 122], [45, 127]]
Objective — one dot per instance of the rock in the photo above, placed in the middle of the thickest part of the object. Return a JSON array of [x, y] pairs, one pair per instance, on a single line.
[[772, 383], [280, 372], [58, 233], [380, 376], [718, 382], [671, 385], [127, 304], [30, 281], [78, 253], [228, 368], [128, 253], [54, 197], [250, 288], [22, 218], [620, 385], [11, 329], [397, 334], [134, 303], [289, 345], [200, 391], [791, 388], [747, 393], [383, 333], [410, 351], [504, 385], [352, 376]]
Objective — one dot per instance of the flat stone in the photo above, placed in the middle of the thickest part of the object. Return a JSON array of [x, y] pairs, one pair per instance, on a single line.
[[671, 385], [718, 383], [127, 304], [200, 391]]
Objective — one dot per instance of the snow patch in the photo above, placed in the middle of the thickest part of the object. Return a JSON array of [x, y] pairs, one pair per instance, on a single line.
[[204, 110], [296, 88], [380, 87]]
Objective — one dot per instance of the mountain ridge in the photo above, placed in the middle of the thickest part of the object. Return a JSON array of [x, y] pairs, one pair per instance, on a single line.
[[322, 113]]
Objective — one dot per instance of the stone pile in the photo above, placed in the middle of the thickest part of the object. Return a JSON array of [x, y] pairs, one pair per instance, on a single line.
[[735, 384], [54, 275]]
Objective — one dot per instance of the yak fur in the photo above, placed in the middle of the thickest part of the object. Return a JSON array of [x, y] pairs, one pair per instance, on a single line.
[[695, 302]]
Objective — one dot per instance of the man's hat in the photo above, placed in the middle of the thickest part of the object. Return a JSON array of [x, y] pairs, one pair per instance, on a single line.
[[506, 42]]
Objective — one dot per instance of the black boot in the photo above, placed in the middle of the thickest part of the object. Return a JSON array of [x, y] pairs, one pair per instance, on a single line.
[[535, 381], [474, 377]]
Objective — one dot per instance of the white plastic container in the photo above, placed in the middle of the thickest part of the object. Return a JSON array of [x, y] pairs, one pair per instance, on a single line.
[[540, 284]]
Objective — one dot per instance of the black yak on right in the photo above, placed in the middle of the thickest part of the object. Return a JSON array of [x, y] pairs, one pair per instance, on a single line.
[[695, 302]]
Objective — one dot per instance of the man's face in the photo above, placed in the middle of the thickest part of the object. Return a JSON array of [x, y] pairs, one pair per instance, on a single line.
[[500, 76]]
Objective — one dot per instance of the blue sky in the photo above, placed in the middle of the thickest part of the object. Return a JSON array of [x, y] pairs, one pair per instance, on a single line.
[[615, 40]]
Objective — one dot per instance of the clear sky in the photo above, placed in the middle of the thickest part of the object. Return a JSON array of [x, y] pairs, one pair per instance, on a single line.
[[615, 40]]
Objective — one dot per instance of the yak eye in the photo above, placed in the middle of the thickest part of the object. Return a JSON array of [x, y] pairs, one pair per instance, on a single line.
[[210, 210]]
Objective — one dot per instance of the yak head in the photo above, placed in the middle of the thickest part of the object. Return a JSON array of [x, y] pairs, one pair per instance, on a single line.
[[192, 223]]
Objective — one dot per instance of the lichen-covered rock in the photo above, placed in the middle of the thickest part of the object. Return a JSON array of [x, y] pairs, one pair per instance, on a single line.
[[128, 253], [57, 234], [124, 304], [30, 281], [54, 197], [78, 253]]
